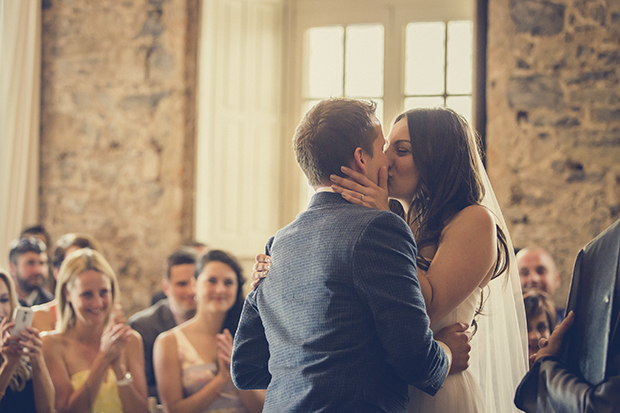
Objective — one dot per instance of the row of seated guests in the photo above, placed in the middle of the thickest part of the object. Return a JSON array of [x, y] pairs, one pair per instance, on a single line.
[[87, 354]]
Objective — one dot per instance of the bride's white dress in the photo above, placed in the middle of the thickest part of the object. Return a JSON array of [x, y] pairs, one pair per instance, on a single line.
[[461, 392]]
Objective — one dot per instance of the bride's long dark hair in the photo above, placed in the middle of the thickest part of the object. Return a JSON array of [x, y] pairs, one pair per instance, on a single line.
[[444, 148]]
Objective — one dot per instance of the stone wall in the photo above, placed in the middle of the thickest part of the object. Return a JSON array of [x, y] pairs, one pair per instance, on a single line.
[[554, 121], [117, 130], [117, 141]]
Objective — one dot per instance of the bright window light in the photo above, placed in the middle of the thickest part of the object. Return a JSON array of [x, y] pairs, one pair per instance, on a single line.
[[460, 57], [425, 58], [364, 61], [326, 61]]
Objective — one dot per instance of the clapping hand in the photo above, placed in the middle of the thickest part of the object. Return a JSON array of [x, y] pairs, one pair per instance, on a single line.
[[224, 352], [113, 341]]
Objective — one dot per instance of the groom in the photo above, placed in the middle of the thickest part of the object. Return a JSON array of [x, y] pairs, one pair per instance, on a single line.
[[339, 325]]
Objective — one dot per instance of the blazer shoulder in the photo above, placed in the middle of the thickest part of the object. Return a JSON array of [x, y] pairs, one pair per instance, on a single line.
[[157, 315]]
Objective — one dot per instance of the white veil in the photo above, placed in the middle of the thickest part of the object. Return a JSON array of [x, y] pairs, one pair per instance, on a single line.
[[499, 355]]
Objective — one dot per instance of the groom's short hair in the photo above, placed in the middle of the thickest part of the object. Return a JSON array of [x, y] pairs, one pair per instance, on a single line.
[[329, 133]]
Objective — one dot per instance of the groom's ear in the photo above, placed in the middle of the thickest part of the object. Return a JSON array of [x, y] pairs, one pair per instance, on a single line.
[[359, 161]]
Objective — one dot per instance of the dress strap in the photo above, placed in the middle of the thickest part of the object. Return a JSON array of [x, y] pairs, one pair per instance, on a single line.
[[186, 349]]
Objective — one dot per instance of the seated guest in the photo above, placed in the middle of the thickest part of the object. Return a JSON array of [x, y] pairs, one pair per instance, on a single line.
[[95, 364], [192, 361], [537, 270], [587, 378], [29, 269], [45, 316], [180, 305], [199, 247], [541, 319], [25, 383]]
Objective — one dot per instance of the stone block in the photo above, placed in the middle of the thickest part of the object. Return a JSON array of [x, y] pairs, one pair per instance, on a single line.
[[539, 18], [528, 92]]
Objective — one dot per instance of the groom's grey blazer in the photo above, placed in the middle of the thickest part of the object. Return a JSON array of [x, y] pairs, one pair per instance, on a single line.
[[339, 324]]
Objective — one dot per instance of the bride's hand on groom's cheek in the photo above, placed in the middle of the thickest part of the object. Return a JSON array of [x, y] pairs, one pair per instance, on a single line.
[[360, 190], [457, 338]]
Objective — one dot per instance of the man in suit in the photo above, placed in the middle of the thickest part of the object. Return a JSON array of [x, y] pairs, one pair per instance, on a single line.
[[340, 323], [178, 307], [587, 378], [29, 268]]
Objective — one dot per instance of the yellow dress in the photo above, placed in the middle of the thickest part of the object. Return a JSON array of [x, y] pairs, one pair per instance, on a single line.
[[107, 399]]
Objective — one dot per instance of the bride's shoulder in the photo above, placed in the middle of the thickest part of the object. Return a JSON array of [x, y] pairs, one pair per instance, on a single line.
[[473, 216]]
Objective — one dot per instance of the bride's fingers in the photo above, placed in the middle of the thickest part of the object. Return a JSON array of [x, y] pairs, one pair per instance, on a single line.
[[258, 275], [260, 267], [352, 197], [356, 176], [383, 177], [345, 183]]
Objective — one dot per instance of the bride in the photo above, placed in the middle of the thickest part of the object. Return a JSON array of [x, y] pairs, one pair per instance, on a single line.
[[465, 259], [466, 264]]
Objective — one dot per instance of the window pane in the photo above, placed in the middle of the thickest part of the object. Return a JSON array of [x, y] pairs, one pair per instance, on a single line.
[[460, 57], [325, 69], [424, 60], [423, 102], [460, 104], [364, 61]]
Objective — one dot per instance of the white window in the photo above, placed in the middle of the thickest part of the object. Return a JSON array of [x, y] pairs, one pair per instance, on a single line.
[[265, 62], [402, 55]]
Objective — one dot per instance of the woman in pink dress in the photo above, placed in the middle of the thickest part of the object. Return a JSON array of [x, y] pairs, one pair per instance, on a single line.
[[192, 361]]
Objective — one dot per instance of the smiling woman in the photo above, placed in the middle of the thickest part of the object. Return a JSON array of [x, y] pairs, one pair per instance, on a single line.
[[89, 354], [192, 361]]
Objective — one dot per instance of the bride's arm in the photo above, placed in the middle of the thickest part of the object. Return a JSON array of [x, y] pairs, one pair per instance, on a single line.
[[465, 257]]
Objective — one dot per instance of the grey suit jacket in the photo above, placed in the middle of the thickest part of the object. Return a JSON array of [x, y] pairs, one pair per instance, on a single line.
[[150, 323], [587, 378], [339, 324]]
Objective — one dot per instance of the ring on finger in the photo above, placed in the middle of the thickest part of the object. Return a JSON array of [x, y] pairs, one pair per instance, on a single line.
[[362, 198]]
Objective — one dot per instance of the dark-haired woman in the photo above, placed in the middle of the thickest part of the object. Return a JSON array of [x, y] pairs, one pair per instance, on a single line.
[[192, 361]]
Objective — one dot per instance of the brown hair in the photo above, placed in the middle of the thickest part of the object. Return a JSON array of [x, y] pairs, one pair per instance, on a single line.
[[444, 148], [234, 314], [72, 240], [180, 256], [329, 133], [538, 302]]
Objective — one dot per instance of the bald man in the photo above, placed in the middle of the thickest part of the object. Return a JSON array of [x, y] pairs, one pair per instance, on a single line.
[[537, 270]]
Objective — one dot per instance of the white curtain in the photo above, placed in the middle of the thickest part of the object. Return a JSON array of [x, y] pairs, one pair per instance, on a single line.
[[20, 103]]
